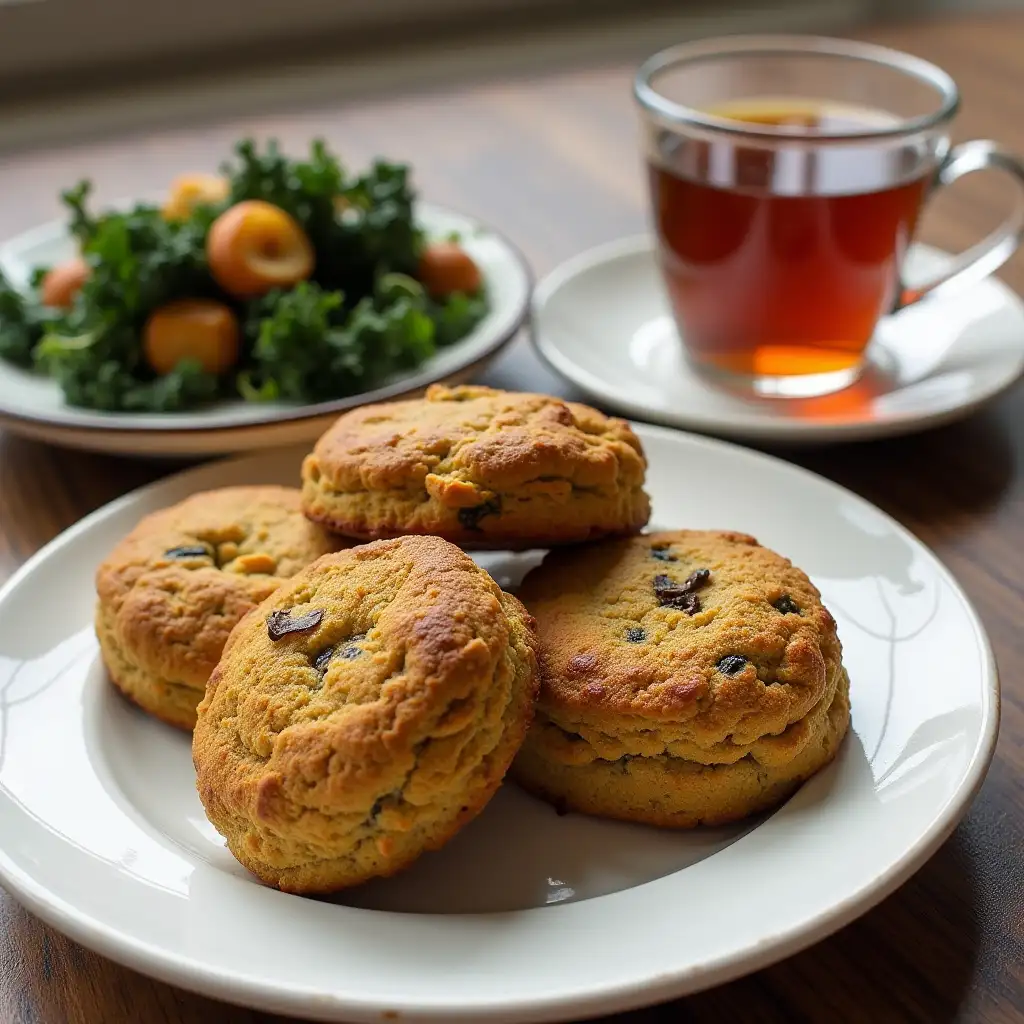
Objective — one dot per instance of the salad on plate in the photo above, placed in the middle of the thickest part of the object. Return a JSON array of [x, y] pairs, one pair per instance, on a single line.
[[278, 279]]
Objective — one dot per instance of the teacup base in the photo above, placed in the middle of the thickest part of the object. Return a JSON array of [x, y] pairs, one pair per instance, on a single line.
[[803, 385]]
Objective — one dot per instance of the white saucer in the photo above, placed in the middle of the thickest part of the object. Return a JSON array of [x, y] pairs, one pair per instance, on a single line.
[[601, 320], [526, 916]]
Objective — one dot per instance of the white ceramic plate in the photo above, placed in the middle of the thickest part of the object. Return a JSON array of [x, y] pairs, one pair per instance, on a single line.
[[525, 916], [33, 405], [601, 320]]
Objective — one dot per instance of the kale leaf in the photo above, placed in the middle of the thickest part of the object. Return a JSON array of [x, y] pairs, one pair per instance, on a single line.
[[294, 335], [89, 380], [377, 232], [21, 324], [81, 223], [305, 346], [457, 316], [138, 261]]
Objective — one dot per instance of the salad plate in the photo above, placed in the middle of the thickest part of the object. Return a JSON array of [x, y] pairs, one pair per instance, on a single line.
[[527, 915], [33, 406]]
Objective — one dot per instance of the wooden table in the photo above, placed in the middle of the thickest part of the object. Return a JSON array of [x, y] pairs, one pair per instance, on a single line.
[[551, 161]]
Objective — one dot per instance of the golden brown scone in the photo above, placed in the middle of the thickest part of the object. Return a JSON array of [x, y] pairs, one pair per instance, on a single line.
[[174, 588], [687, 677], [482, 468], [380, 720]]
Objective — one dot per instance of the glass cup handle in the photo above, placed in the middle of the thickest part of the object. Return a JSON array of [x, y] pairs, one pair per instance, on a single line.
[[990, 253]]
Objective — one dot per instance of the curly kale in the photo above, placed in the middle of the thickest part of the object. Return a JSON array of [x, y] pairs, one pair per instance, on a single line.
[[138, 261], [294, 336], [82, 224], [377, 232], [457, 316], [95, 382], [21, 324], [307, 347]]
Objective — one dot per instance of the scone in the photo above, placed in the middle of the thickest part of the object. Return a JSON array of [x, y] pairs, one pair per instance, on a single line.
[[479, 467], [364, 713], [687, 678], [173, 589]]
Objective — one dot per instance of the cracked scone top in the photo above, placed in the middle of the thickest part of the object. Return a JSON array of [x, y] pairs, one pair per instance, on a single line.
[[479, 467], [173, 589], [364, 713], [687, 677]]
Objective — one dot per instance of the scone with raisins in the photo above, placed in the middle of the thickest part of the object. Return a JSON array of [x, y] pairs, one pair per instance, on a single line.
[[174, 588], [687, 677], [364, 713], [479, 467]]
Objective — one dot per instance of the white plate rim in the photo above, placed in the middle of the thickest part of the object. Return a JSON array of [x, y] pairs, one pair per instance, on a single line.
[[284, 998], [94, 422], [795, 431]]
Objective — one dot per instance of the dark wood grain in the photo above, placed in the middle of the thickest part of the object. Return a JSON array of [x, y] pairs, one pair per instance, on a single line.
[[552, 162]]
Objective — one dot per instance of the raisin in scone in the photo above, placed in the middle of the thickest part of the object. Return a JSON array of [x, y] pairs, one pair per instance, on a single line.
[[364, 713], [479, 467], [687, 677], [174, 588]]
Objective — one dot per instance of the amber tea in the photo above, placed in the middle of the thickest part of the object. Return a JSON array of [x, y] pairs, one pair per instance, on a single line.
[[787, 270]]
